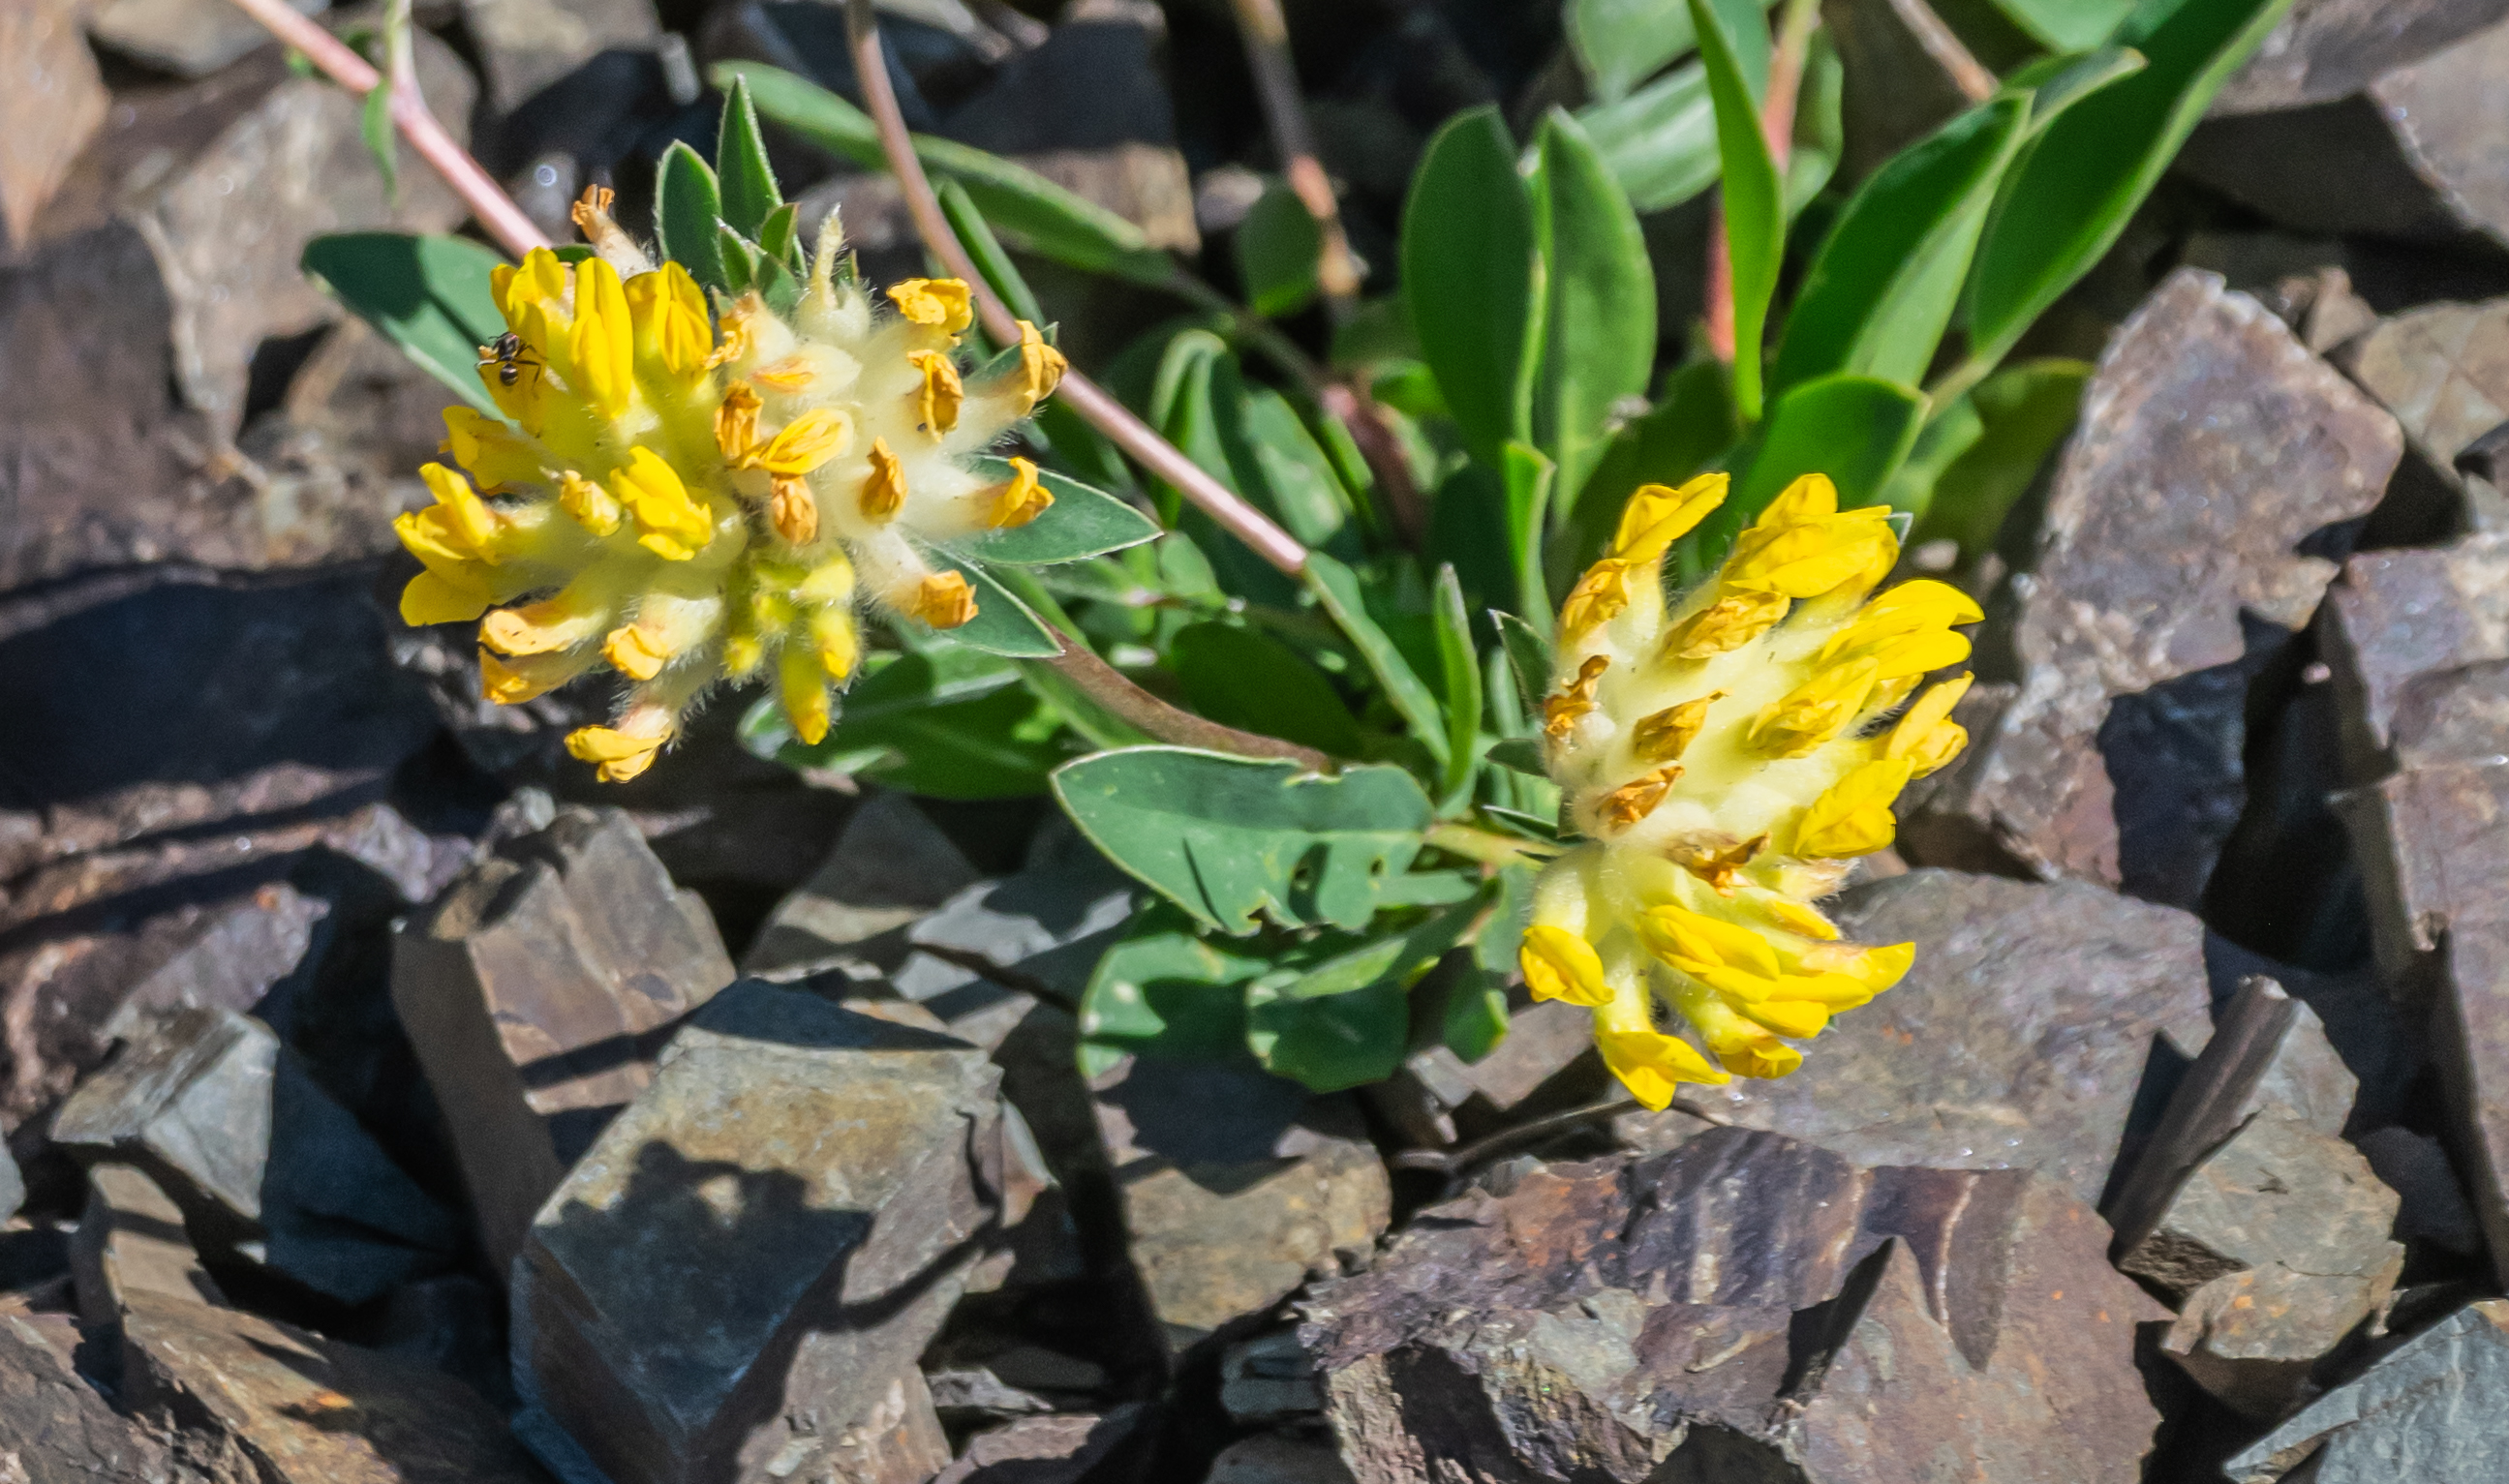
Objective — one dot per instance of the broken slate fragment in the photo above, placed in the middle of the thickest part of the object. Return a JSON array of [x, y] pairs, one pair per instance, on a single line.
[[2418, 644], [2212, 444], [2324, 50], [260, 1158], [131, 1240], [890, 866], [1752, 1307], [57, 1429], [2434, 1411], [1045, 1450], [2444, 371], [537, 990], [737, 1279]]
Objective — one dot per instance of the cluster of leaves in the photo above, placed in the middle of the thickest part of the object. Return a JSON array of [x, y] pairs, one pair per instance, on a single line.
[[1518, 391]]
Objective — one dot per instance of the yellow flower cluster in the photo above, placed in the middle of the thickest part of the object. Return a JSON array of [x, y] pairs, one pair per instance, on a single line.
[[1725, 758], [690, 493]]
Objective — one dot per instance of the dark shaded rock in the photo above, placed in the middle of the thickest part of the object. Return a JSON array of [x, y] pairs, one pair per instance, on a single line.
[[2212, 445], [2017, 1041], [129, 1241], [1895, 91], [261, 1159], [2430, 1201], [1547, 1057], [2324, 50], [1003, 1378], [292, 1408], [742, 1271], [1747, 1307], [453, 1323], [889, 868], [1044, 1450], [1278, 1458], [1236, 1187], [54, 1428], [2414, 153], [526, 45], [51, 99], [12, 1186], [1269, 1379], [2435, 1410], [537, 991]]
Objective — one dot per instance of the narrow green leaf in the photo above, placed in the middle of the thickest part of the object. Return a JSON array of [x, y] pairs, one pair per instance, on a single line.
[[1239, 677], [1755, 226], [1599, 323], [1277, 248], [1336, 587], [1475, 1018], [687, 207], [1003, 625], [2057, 83], [1055, 222], [1526, 477], [1820, 124], [375, 127], [1166, 990], [1521, 754], [1621, 42], [741, 264], [1528, 655], [993, 264], [1082, 522], [2024, 410], [1473, 279], [748, 182], [427, 295], [1881, 293], [1949, 433], [1659, 142], [1233, 841], [2066, 25], [2071, 195], [776, 237], [1460, 668]]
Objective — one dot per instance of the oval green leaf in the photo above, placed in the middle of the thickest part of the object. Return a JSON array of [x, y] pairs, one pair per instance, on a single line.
[[427, 295], [1082, 522], [1600, 324], [1472, 279]]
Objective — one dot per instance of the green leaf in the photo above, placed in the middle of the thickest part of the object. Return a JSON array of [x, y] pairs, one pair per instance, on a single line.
[[1755, 224], [1523, 754], [375, 127], [1460, 666], [950, 723], [777, 238], [1821, 124], [1528, 655], [687, 209], [1082, 522], [1229, 838], [430, 296], [1495, 946], [1165, 990], [1343, 1020], [1692, 423], [1881, 293], [1525, 478], [1854, 429], [1241, 677], [1003, 625], [1659, 142], [748, 183], [1473, 279], [1054, 222], [993, 264], [2071, 195], [1276, 250], [2066, 25], [741, 263], [1947, 434], [1336, 587], [1621, 42], [1475, 1020], [2024, 410], [1599, 322]]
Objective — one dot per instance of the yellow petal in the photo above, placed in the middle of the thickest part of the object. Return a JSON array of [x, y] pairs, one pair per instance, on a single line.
[[603, 341], [489, 449], [465, 517], [430, 598], [1598, 597], [807, 443], [1719, 864], [884, 489], [1658, 515], [1926, 737], [936, 405], [1725, 625], [792, 512], [1668, 733], [1760, 1055], [1815, 711], [1041, 368], [592, 507], [1875, 968], [635, 651], [1853, 816], [1672, 932], [840, 646], [1796, 1019], [939, 304], [794, 373], [1794, 916], [1561, 713], [1810, 497], [669, 311], [541, 628], [802, 686], [1560, 965], [1020, 499], [1653, 1065], [674, 526]]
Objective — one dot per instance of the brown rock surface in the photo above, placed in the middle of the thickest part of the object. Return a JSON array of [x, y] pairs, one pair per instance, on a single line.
[[2211, 445], [1745, 1308], [2324, 50], [50, 101], [131, 1241], [54, 1428]]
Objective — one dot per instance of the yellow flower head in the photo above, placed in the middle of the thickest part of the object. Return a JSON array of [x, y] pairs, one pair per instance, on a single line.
[[687, 493], [1726, 755]]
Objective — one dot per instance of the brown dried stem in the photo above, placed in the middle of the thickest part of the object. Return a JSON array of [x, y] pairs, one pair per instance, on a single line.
[[1777, 126], [1973, 80]]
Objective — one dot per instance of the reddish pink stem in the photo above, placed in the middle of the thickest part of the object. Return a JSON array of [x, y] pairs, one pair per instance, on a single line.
[[496, 212]]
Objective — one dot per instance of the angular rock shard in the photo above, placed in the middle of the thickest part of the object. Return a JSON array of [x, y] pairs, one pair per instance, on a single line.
[[536, 991], [2212, 445], [1743, 1308], [736, 1281], [131, 1241], [2435, 1411]]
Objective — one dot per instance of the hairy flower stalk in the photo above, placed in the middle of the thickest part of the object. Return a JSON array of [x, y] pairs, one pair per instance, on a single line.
[[688, 492], [1726, 757]]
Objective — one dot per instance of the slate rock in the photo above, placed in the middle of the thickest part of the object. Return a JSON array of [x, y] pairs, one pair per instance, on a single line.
[[2324, 50], [129, 1241], [2211, 446], [1269, 1379], [56, 1429], [2416, 640], [738, 1277], [261, 1158], [2018, 1040], [1276, 1457], [298, 1409], [51, 99], [1044, 1450], [537, 991], [1547, 1058], [2418, 144], [526, 45], [188, 38], [2444, 371], [1745, 1308], [890, 866], [2431, 1205], [1236, 1186], [2435, 1410]]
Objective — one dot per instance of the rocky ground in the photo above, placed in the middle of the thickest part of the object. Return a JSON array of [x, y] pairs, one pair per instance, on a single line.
[[388, 1102]]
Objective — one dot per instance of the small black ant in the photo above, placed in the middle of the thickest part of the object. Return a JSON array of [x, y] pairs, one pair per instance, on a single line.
[[508, 354]]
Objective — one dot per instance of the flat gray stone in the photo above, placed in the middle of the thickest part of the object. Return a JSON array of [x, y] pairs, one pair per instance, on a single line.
[[1269, 1379], [1278, 1458], [1045, 1450], [2324, 50], [526, 45], [738, 1277], [537, 990], [2017, 1041], [2435, 1411], [2211, 445], [1436, 1097]]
